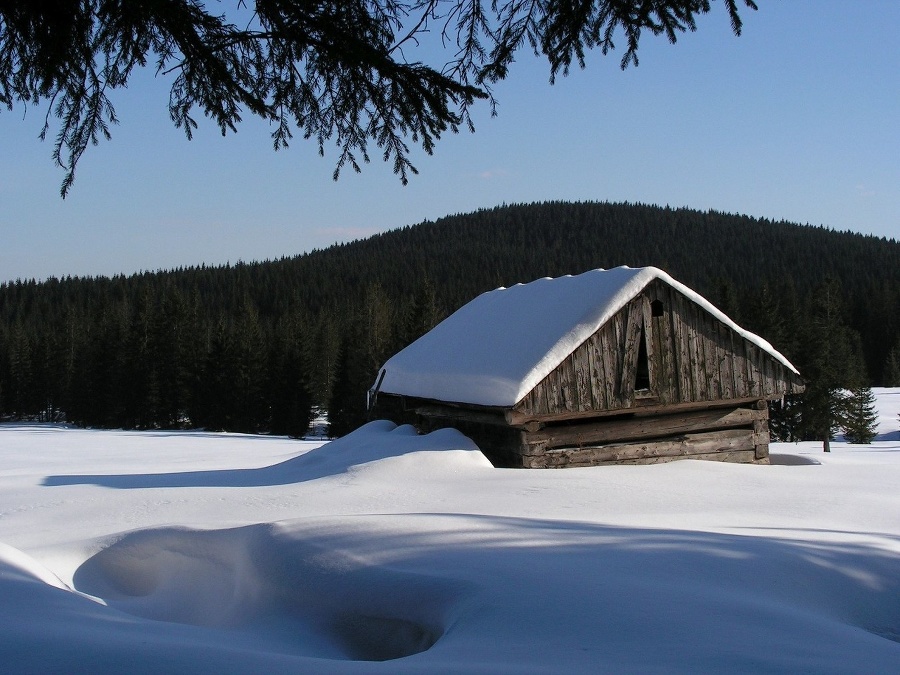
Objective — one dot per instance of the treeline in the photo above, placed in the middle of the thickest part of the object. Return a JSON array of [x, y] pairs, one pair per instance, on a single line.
[[253, 347]]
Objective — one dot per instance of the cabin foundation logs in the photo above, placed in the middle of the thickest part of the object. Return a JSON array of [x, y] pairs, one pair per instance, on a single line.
[[739, 434], [734, 434]]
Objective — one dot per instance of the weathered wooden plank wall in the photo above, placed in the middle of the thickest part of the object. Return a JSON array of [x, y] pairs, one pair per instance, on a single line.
[[610, 430], [726, 445], [729, 434], [692, 357]]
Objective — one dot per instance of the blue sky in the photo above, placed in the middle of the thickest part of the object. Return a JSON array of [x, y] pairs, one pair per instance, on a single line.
[[797, 119]]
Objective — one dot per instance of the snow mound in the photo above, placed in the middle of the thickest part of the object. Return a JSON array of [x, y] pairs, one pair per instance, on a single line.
[[384, 441], [301, 598], [353, 589], [17, 565], [378, 441]]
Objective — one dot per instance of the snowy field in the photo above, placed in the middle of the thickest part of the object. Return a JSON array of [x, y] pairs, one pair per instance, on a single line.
[[387, 552]]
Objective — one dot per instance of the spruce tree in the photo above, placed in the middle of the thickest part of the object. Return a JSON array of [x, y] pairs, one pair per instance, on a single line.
[[214, 406], [249, 405], [421, 314], [320, 357], [784, 419], [354, 376], [831, 365], [379, 318], [171, 336], [860, 419], [347, 406], [20, 372], [356, 74], [892, 368], [727, 299], [290, 399], [763, 315]]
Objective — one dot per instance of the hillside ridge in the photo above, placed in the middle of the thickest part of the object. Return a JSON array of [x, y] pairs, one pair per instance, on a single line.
[[159, 344]]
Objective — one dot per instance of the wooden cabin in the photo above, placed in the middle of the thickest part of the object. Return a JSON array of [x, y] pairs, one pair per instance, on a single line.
[[617, 366]]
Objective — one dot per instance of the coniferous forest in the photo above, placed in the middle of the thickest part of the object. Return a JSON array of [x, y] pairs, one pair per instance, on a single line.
[[253, 347]]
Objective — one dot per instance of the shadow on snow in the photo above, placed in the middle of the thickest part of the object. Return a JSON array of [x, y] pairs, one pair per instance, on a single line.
[[374, 441], [468, 590]]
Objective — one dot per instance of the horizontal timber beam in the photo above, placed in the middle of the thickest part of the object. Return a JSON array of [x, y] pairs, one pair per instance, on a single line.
[[736, 456], [686, 446], [630, 428], [520, 419], [461, 414]]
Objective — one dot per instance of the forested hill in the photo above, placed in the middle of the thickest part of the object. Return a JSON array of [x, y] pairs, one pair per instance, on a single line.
[[251, 346]]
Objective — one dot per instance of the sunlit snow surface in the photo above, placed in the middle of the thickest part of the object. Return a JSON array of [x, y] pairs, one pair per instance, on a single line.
[[395, 553]]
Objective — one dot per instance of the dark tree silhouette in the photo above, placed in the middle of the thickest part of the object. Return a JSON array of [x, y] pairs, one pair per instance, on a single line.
[[830, 363], [861, 420], [353, 72], [253, 346]]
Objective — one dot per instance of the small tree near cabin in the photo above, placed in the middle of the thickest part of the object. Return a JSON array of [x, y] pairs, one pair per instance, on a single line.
[[831, 365], [860, 421]]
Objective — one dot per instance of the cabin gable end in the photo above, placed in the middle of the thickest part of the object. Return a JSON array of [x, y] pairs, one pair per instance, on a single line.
[[661, 348]]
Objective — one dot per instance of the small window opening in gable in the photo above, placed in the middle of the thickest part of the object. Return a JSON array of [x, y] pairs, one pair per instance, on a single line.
[[642, 374], [656, 308]]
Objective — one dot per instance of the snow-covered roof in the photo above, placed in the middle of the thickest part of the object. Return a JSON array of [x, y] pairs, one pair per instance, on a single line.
[[498, 347]]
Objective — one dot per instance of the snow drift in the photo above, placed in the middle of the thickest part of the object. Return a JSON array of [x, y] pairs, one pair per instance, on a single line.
[[390, 552]]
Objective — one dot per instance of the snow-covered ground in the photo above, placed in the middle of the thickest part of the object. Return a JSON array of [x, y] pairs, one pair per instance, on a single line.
[[390, 552]]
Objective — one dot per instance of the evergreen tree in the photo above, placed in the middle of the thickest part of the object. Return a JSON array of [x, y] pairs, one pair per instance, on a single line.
[[49, 376], [347, 408], [291, 401], [196, 348], [892, 368], [785, 419], [321, 357], [727, 300], [214, 407], [250, 407], [831, 365], [378, 337], [20, 390], [421, 315], [860, 420], [172, 337], [100, 382], [140, 368], [4, 370], [70, 344], [353, 73], [763, 315]]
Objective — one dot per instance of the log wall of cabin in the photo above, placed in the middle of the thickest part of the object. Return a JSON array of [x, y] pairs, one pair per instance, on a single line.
[[738, 434], [732, 433], [692, 357]]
